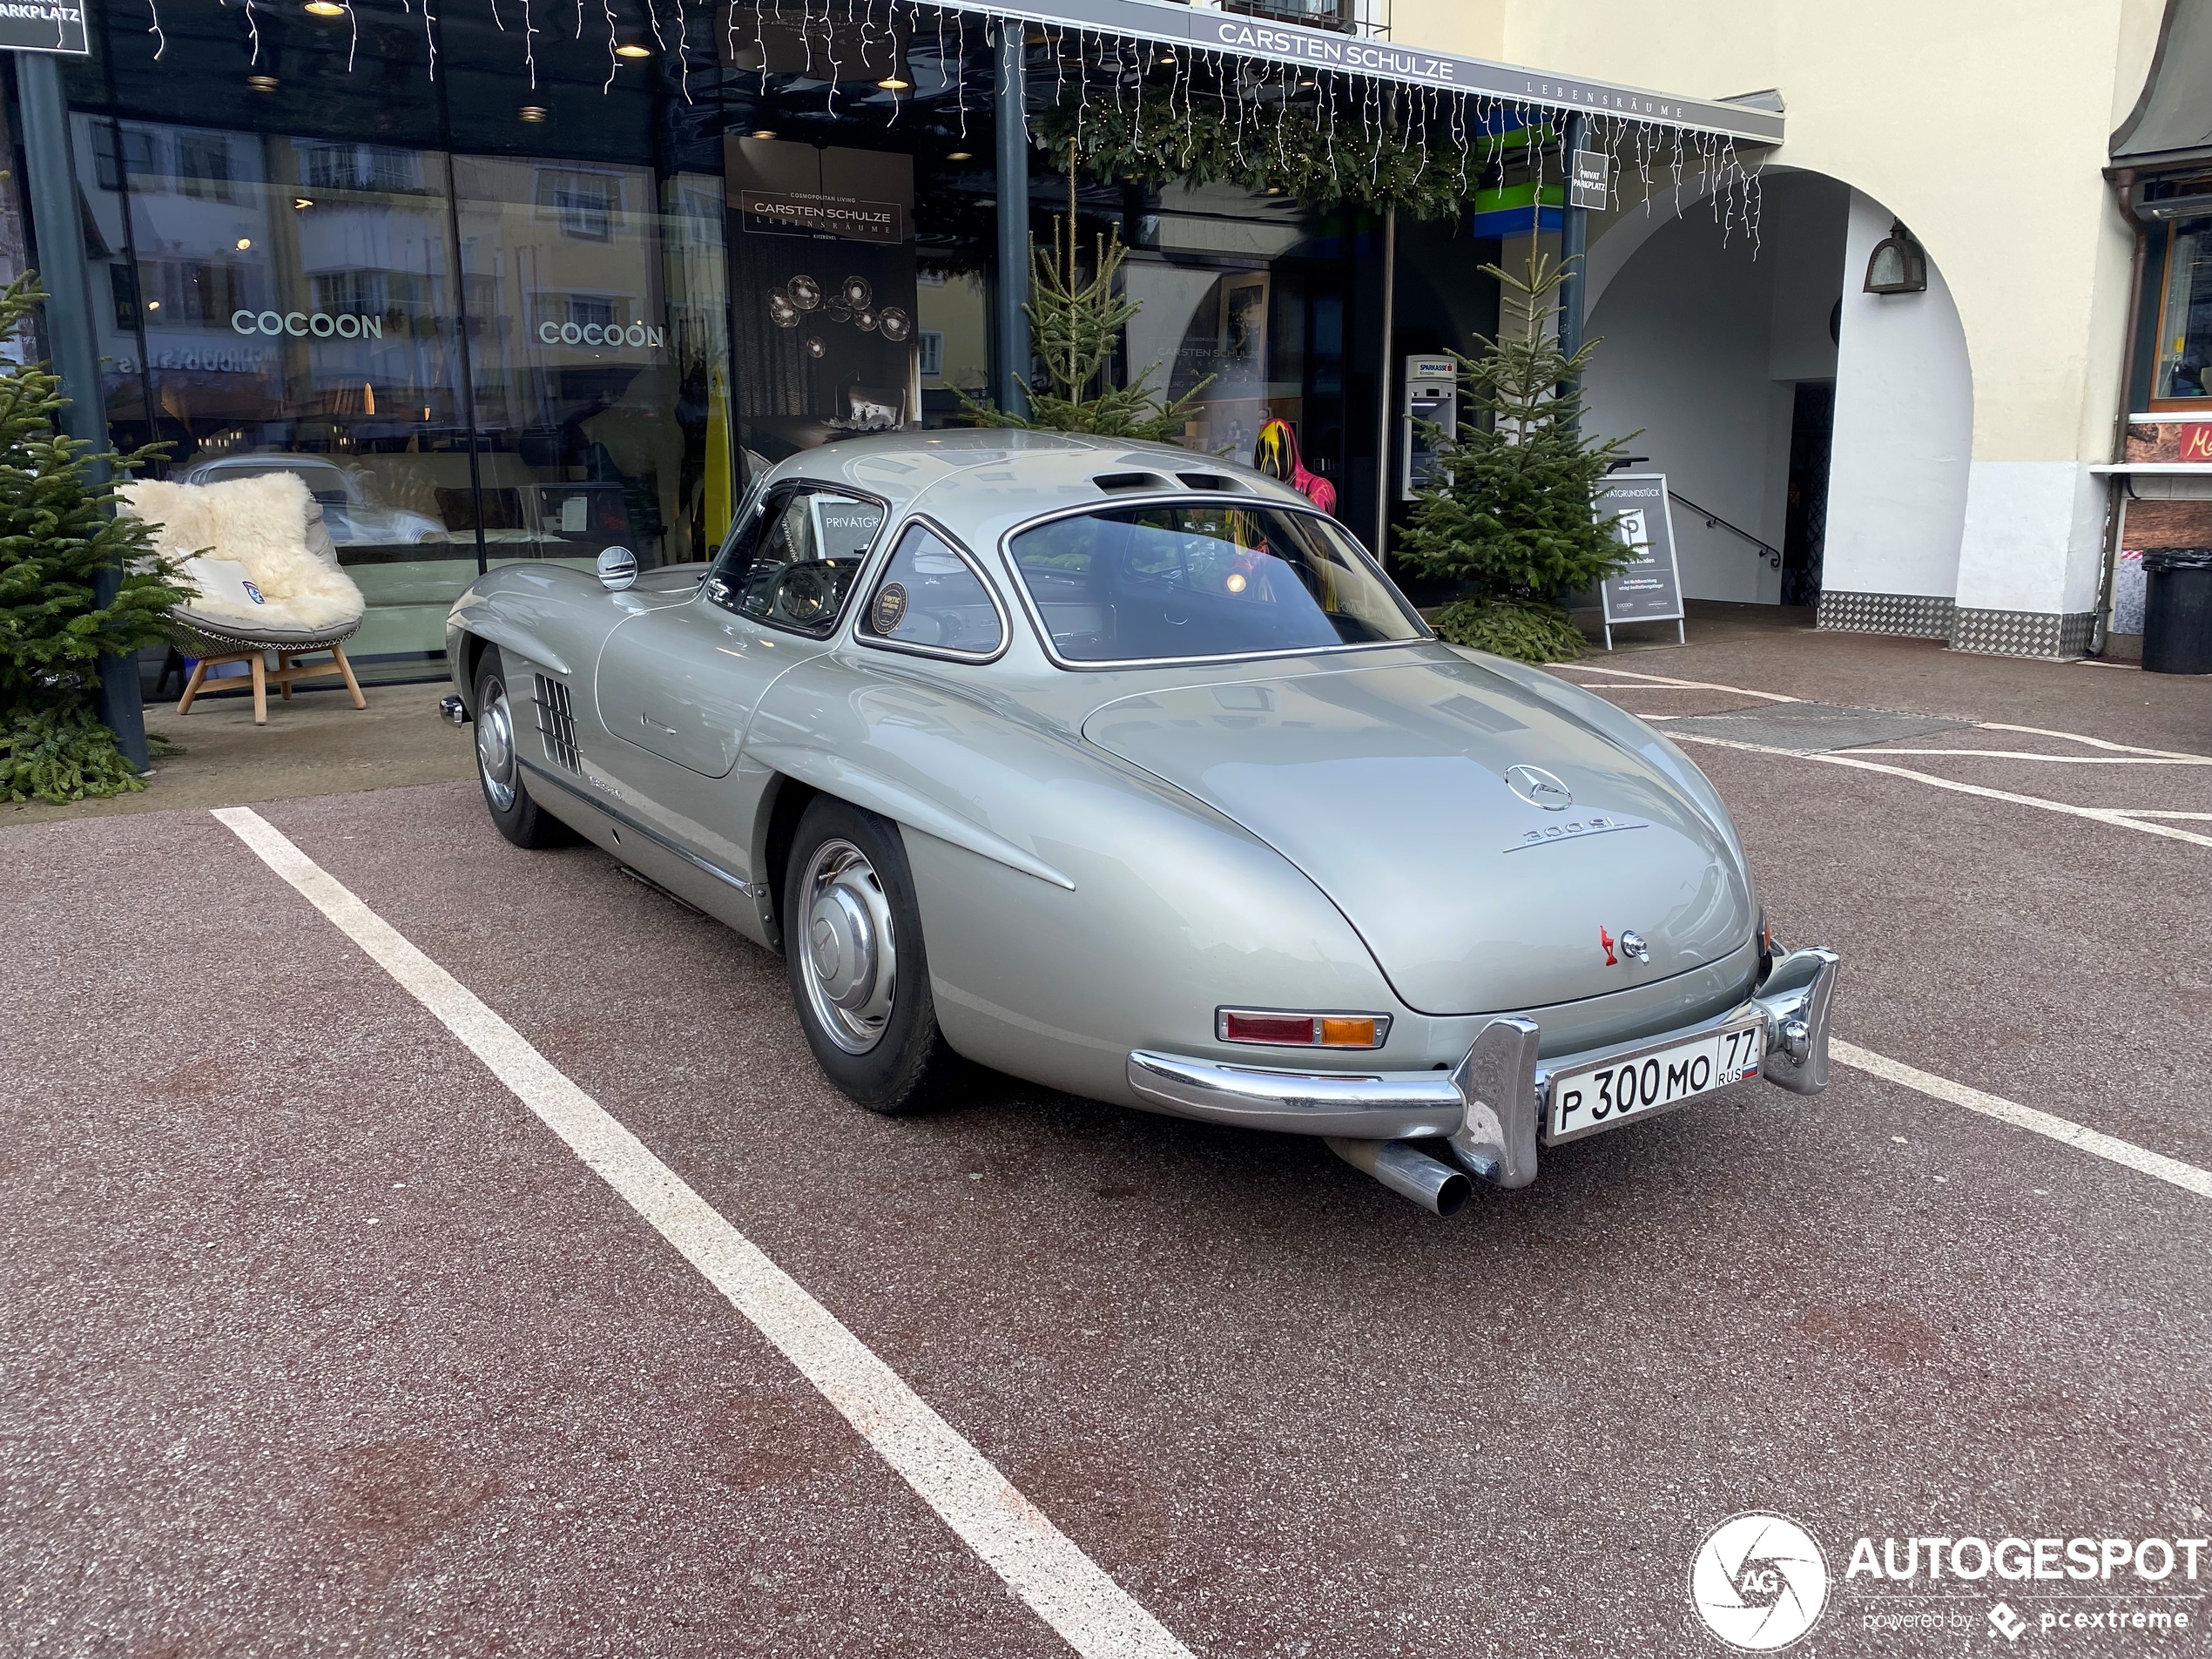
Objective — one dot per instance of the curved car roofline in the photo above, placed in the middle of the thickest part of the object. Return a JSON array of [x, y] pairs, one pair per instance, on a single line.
[[1003, 472]]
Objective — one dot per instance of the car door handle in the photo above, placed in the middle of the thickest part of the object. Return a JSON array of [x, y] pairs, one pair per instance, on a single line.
[[647, 719]]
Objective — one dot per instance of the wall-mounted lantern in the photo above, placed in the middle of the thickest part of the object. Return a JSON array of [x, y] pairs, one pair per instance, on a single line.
[[1899, 265]]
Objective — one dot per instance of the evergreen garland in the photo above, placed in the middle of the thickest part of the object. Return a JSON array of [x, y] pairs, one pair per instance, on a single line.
[[1185, 134], [57, 533]]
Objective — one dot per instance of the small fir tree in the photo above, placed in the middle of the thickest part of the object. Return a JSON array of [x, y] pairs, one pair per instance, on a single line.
[[57, 534], [1075, 325], [1508, 510]]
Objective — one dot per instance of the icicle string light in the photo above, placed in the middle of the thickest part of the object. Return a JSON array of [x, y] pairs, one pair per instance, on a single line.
[[161, 40], [1424, 147]]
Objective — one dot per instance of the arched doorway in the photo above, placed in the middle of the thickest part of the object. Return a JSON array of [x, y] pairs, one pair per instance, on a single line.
[[1816, 437]]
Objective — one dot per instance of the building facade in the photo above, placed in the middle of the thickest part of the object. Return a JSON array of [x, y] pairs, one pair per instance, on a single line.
[[522, 284]]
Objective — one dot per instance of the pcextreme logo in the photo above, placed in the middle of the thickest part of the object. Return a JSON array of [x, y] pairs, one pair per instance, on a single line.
[[1759, 1582]]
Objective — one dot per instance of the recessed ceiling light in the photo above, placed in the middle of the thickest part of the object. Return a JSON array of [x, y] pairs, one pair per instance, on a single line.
[[325, 9], [764, 133], [153, 305], [892, 84], [245, 243], [532, 112], [262, 83], [301, 203], [962, 155], [1306, 84], [631, 49]]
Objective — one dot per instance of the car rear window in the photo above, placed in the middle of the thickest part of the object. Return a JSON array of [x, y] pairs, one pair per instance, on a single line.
[[1178, 580]]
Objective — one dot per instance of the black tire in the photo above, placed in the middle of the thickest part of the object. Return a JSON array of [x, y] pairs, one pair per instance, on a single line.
[[499, 774], [848, 893]]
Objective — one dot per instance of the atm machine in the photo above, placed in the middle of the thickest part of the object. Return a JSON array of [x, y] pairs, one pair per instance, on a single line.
[[1431, 394]]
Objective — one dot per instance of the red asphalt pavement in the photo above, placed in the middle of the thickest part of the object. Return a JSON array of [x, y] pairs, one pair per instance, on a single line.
[[318, 1343]]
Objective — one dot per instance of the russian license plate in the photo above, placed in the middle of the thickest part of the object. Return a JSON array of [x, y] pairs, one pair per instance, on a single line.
[[1599, 1096]]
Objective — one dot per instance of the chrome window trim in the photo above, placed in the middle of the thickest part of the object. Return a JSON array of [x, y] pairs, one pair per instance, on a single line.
[[1185, 498], [879, 569], [867, 553]]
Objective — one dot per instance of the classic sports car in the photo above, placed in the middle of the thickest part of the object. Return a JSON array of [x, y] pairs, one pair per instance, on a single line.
[[1123, 770]]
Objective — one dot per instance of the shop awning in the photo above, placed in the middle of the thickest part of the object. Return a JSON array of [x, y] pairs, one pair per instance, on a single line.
[[1235, 34], [2171, 124]]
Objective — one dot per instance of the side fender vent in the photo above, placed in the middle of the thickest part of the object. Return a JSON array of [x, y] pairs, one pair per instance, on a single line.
[[556, 722], [1117, 482]]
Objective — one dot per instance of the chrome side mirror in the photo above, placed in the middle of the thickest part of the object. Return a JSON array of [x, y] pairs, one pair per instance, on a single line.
[[618, 569]]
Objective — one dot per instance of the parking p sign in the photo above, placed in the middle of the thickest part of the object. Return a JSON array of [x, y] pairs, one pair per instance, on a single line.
[[1650, 588]]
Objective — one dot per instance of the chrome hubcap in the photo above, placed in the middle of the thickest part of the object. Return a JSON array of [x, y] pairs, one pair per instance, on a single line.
[[848, 957], [495, 747]]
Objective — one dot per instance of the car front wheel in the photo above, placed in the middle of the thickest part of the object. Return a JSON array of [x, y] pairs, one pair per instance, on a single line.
[[852, 949], [499, 770]]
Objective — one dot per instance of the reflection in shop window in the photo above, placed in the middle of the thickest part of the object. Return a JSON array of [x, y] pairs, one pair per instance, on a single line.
[[2185, 331], [204, 166], [585, 205], [359, 167]]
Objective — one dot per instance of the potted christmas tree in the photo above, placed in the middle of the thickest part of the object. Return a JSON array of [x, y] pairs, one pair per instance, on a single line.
[[58, 534], [1507, 512]]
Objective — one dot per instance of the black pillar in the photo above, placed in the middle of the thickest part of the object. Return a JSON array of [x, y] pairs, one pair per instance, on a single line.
[[58, 230], [1012, 390], [1573, 244]]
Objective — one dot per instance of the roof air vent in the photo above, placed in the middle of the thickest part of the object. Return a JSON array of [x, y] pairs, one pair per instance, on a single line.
[[1116, 482], [1208, 481]]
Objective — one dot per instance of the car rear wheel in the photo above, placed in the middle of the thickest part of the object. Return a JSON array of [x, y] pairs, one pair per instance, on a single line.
[[499, 769], [852, 949]]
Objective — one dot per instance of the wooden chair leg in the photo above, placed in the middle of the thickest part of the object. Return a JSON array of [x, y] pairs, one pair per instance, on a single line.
[[192, 685], [347, 669], [261, 689], [284, 660]]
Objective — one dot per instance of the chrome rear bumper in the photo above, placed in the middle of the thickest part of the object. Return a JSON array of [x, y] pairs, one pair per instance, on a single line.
[[1491, 1105]]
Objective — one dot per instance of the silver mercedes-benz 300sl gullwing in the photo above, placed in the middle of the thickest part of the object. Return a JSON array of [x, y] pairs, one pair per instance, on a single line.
[[1123, 770]]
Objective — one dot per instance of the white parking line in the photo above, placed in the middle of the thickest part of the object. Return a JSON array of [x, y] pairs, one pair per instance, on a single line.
[[2188, 1177], [1061, 1584], [2115, 815], [2094, 743], [2065, 760], [1674, 684]]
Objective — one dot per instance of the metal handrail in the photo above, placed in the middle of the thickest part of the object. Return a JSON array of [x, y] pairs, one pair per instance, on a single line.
[[1712, 519]]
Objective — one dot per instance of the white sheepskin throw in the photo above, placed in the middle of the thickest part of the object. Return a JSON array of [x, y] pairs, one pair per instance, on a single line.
[[271, 526]]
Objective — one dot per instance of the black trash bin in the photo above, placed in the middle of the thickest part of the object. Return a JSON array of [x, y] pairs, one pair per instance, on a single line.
[[2177, 611]]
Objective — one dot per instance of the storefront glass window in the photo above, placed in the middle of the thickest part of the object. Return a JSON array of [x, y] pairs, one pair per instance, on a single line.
[[282, 303], [2185, 332], [599, 361]]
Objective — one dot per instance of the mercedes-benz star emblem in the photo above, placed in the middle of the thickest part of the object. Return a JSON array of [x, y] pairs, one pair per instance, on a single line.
[[1538, 788]]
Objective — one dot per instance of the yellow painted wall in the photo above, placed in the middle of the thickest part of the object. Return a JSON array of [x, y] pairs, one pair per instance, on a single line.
[[1983, 124]]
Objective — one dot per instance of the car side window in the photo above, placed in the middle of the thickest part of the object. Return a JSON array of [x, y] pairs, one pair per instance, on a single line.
[[792, 564], [932, 598]]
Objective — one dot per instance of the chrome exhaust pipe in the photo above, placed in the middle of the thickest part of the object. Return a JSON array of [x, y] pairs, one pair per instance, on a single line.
[[1436, 1186]]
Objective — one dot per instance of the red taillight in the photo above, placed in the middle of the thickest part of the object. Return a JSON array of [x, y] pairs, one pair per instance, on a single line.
[[1302, 1030]]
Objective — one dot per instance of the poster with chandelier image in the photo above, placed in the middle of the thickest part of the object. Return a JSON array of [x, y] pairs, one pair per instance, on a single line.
[[822, 294]]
